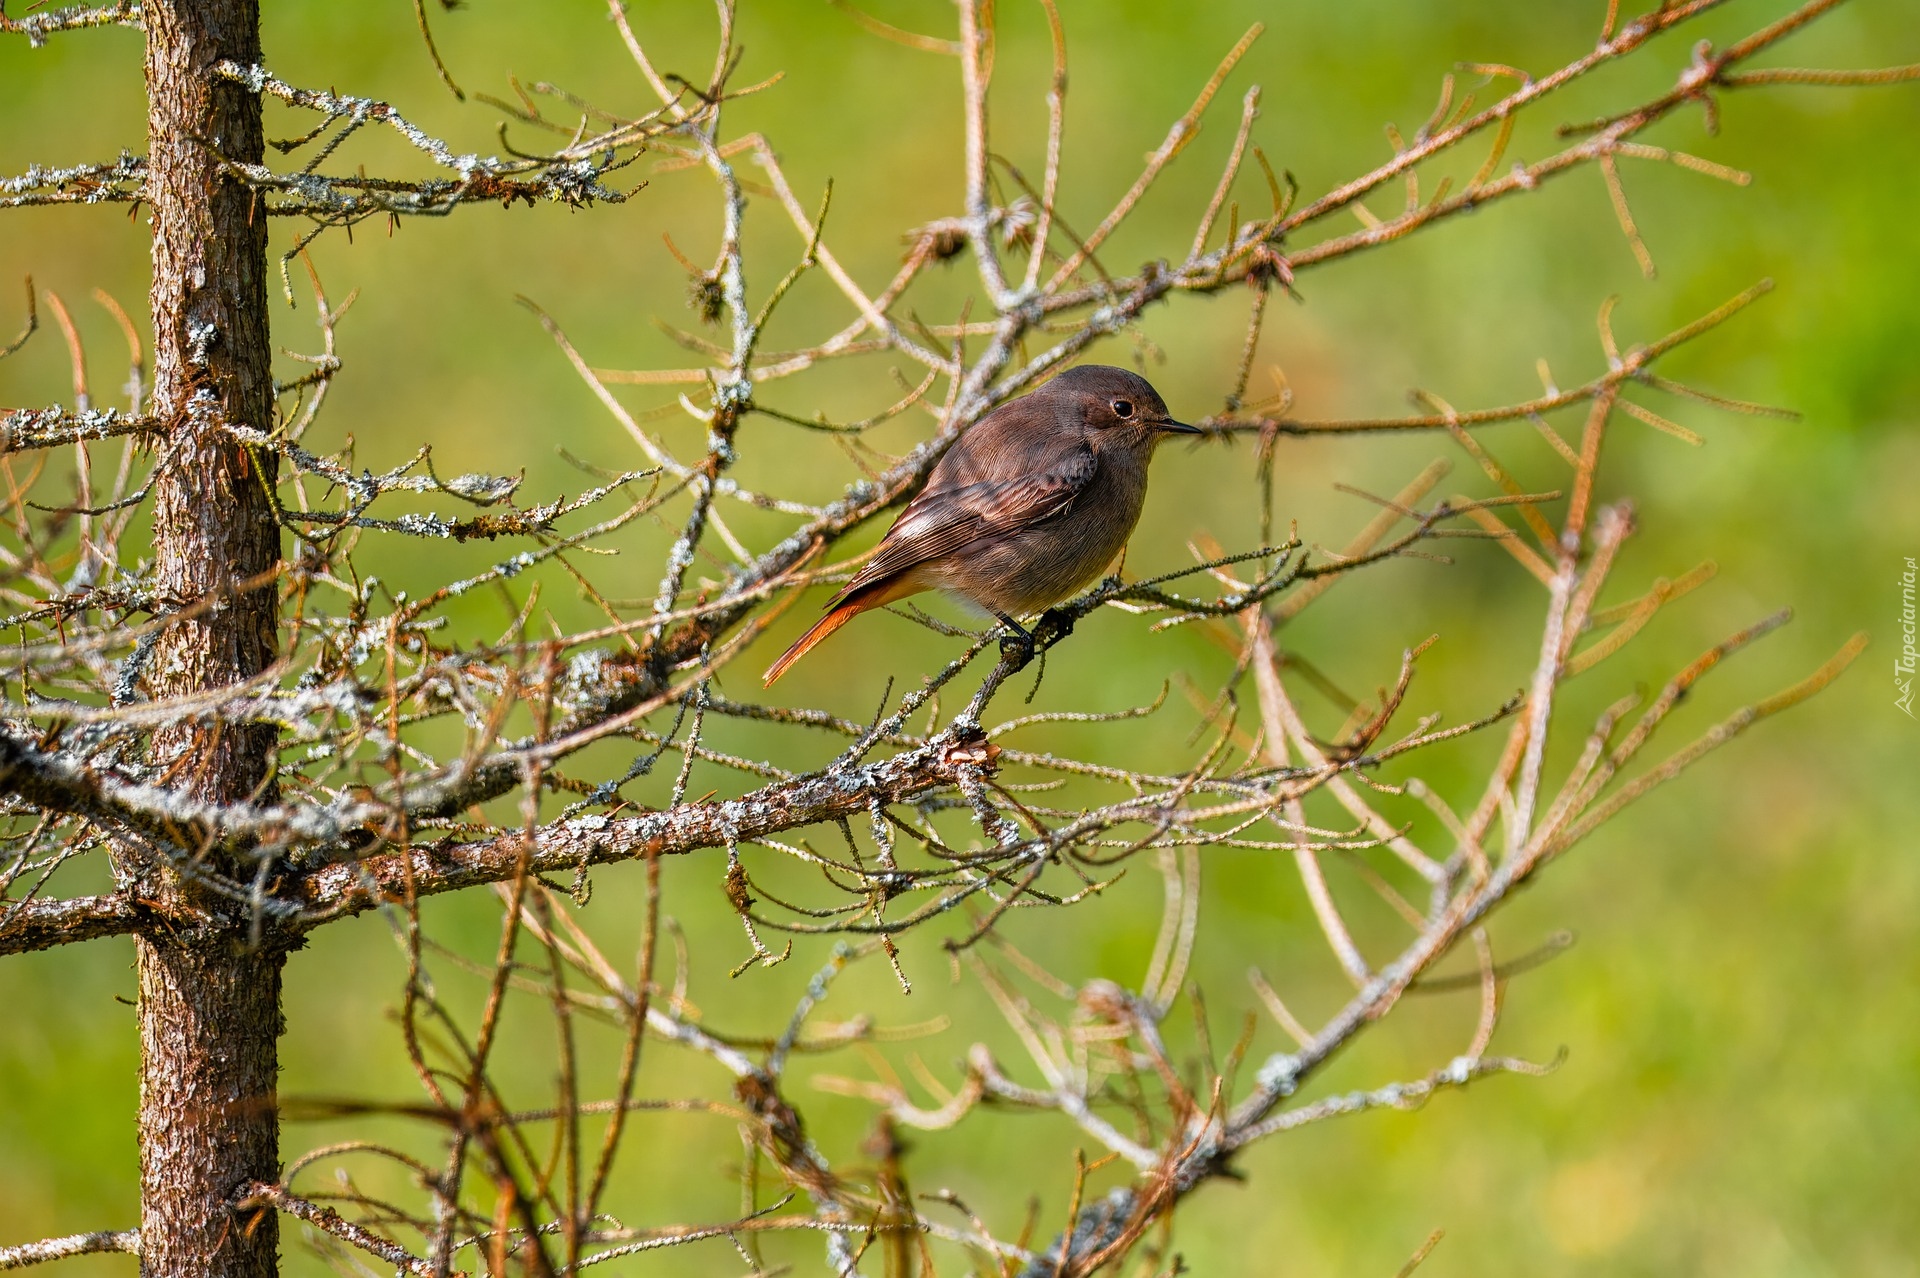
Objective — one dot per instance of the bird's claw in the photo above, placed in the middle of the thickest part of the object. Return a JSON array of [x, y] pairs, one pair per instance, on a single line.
[[1017, 647], [1055, 623], [1018, 644]]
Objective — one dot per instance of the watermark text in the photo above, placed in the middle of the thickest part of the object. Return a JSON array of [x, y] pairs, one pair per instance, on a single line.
[[1904, 661]]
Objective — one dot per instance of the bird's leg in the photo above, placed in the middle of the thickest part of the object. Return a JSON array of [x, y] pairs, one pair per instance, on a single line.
[[1017, 642]]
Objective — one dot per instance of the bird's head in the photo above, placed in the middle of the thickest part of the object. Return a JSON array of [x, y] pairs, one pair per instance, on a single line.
[[1117, 404]]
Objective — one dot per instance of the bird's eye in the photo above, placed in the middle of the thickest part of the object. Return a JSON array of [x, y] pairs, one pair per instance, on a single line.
[[1123, 408]]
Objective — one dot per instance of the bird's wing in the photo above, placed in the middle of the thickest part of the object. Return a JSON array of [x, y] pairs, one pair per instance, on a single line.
[[939, 523]]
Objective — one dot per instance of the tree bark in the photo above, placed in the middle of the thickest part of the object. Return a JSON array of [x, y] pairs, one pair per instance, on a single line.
[[209, 1031], [209, 998]]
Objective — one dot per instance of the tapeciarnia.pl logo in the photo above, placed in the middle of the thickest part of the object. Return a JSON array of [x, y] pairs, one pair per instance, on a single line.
[[1903, 665]]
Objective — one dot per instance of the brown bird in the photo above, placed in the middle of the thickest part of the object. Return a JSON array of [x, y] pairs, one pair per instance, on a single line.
[[1027, 507]]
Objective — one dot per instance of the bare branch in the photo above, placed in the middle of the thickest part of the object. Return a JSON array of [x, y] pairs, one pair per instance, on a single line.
[[38, 26], [24, 1254]]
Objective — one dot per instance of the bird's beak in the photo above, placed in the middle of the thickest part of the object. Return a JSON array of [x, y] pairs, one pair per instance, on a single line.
[[1179, 428]]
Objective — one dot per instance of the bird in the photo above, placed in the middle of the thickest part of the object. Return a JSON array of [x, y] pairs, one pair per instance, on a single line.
[[1026, 507]]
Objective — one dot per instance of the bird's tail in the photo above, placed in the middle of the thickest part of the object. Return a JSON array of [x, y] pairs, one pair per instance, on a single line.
[[821, 629]]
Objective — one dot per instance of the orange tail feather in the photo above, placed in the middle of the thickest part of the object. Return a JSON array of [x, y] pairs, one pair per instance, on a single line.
[[821, 629]]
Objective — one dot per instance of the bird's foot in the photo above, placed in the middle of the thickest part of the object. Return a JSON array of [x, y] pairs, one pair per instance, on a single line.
[[1054, 625], [1016, 646]]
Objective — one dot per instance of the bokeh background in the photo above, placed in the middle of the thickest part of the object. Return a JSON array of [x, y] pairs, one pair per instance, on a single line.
[[1739, 1011]]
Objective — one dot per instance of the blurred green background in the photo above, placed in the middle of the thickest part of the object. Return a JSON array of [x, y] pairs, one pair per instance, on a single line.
[[1740, 1010]]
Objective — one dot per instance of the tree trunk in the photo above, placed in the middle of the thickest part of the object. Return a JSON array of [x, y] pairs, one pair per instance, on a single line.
[[209, 1025], [209, 999]]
